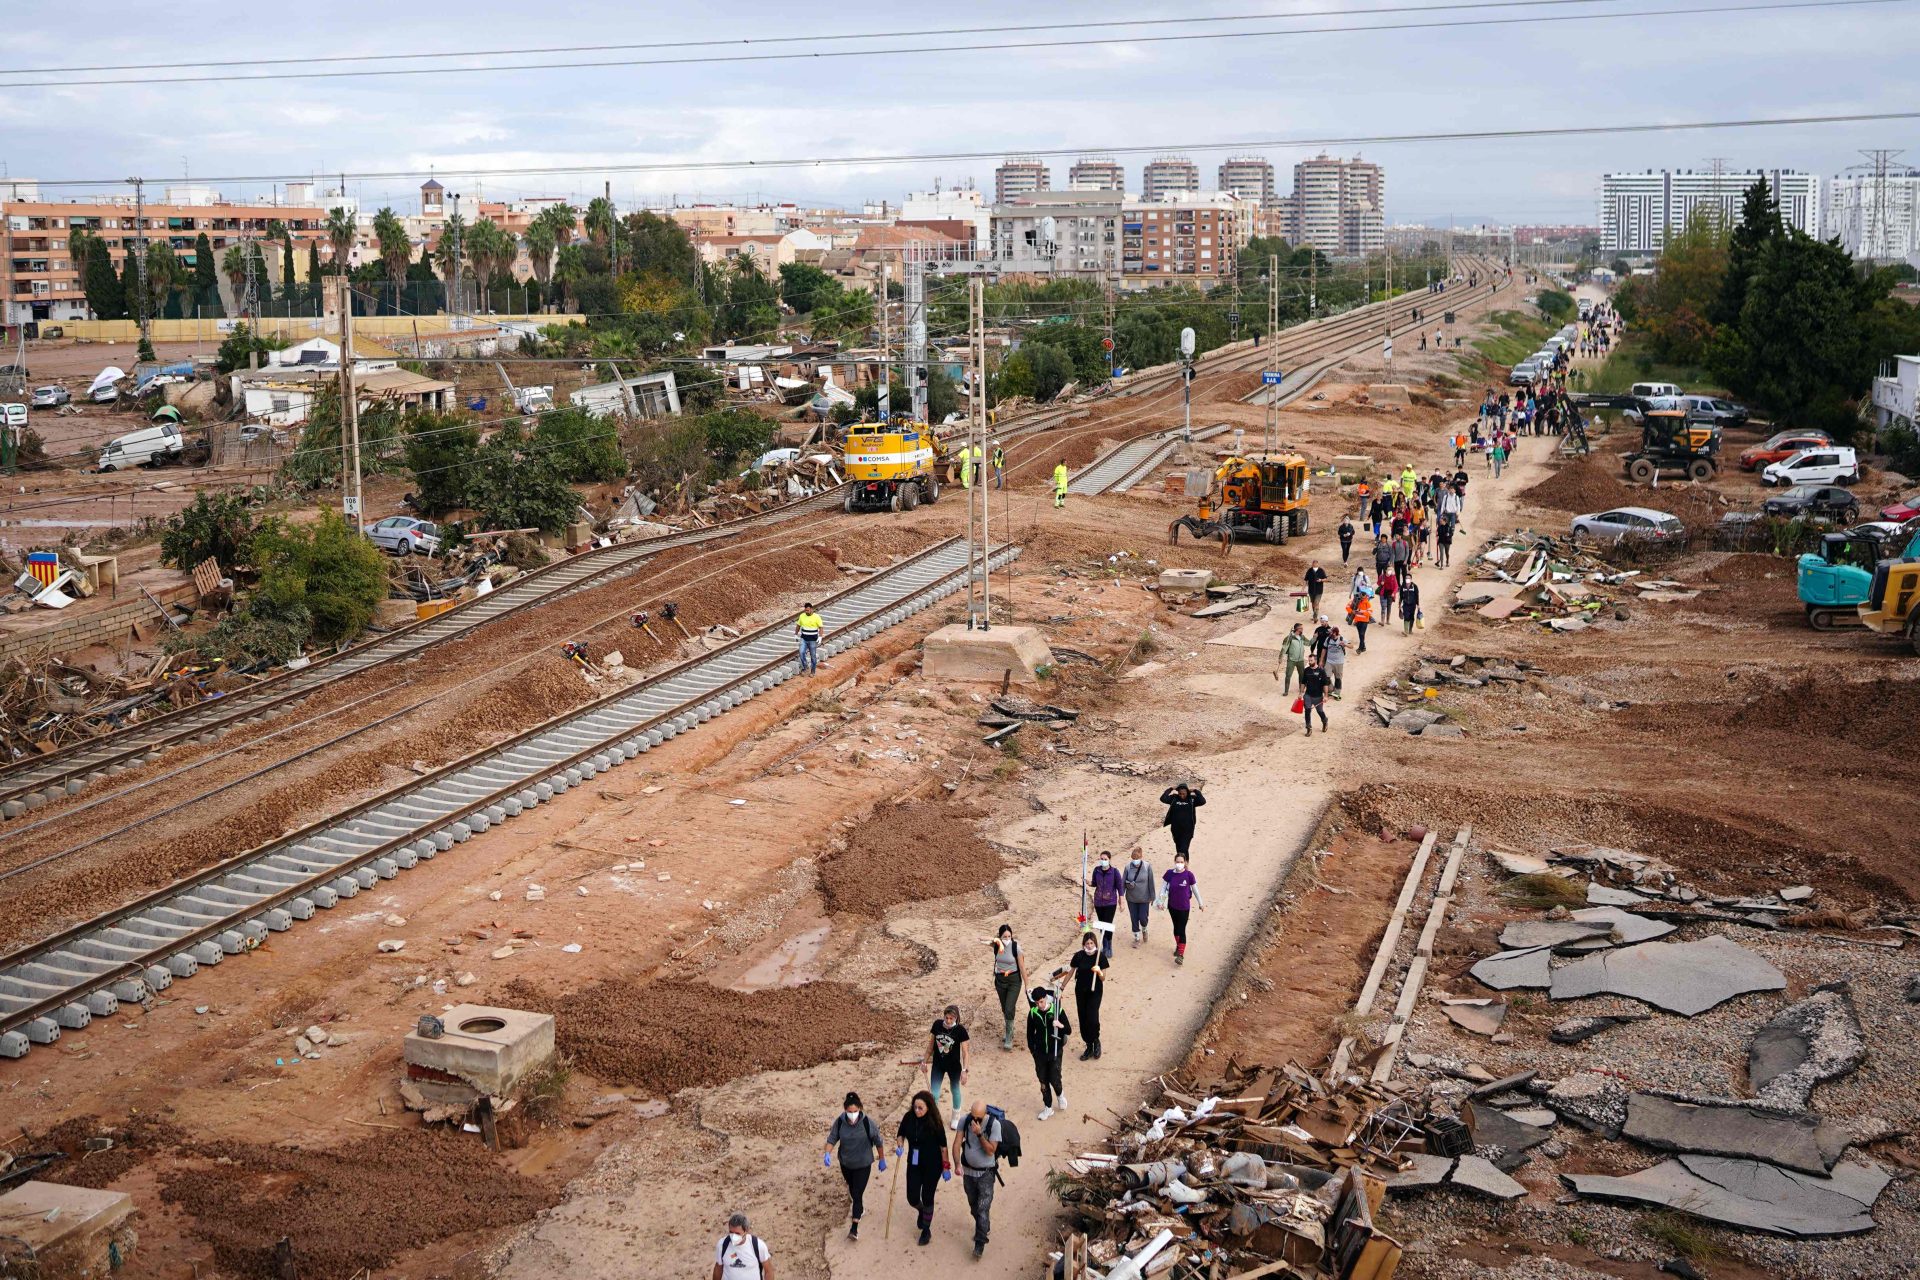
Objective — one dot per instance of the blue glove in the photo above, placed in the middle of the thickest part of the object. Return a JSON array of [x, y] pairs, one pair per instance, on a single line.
[[827, 1160], [883, 1164], [946, 1175]]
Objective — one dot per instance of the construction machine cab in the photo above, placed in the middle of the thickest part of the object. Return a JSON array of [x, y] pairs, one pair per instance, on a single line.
[[1671, 441], [1258, 495], [1892, 606]]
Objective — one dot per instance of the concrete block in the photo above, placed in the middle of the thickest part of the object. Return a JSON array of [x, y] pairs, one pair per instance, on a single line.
[[1185, 579], [485, 1050], [70, 1231], [1353, 464], [955, 653]]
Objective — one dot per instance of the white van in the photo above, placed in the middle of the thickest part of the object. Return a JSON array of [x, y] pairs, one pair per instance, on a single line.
[[1829, 464], [147, 447], [1655, 390], [13, 415]]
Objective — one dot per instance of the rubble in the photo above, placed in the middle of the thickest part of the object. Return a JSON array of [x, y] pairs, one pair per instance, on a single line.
[[1681, 977], [1815, 1039], [1793, 1140], [1751, 1194], [1536, 578]]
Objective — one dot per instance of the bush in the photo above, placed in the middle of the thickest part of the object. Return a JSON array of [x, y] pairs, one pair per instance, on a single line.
[[441, 456], [582, 447], [265, 632], [1556, 305], [325, 568], [513, 487], [1902, 448], [216, 523]]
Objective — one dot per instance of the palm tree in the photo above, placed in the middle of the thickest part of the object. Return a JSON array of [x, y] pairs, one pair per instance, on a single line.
[[396, 250], [540, 244], [489, 250], [599, 221], [570, 268], [447, 255], [340, 230]]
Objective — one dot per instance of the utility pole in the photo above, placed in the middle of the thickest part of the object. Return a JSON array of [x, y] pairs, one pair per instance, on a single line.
[[1270, 438], [613, 232], [1313, 282], [883, 399], [915, 269], [453, 299], [349, 413], [979, 527], [140, 264]]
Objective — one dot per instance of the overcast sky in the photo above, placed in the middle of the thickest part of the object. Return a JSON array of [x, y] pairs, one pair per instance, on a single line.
[[1535, 74]]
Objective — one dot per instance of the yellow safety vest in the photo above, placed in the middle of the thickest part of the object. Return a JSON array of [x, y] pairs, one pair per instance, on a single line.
[[1060, 477], [810, 624]]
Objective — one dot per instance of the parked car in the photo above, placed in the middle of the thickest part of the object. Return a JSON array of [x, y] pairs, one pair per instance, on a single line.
[[1649, 390], [1722, 413], [13, 415], [1630, 524], [1814, 502], [104, 394], [1780, 446], [51, 397], [1823, 464], [1524, 373], [147, 447], [406, 536], [1904, 510]]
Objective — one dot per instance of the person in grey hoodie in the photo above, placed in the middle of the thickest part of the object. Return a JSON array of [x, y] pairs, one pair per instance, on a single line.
[[859, 1140], [1137, 877]]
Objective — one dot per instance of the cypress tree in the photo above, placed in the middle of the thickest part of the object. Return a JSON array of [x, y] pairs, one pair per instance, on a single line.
[[206, 285], [105, 297]]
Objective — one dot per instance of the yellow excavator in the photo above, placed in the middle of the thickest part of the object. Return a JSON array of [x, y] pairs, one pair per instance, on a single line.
[[1259, 496], [1892, 606]]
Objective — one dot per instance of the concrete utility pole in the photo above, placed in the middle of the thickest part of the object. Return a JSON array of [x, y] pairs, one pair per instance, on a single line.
[[1313, 282], [979, 527], [915, 270], [349, 414], [453, 297], [140, 263], [883, 398], [1270, 438]]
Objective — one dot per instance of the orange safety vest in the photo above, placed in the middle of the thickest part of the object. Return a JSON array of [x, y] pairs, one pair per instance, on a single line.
[[1362, 610]]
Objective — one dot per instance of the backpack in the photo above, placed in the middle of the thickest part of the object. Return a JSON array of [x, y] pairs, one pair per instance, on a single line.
[[1009, 1148]]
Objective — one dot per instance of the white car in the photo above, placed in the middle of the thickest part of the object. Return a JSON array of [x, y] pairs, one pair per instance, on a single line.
[[1829, 464], [406, 536]]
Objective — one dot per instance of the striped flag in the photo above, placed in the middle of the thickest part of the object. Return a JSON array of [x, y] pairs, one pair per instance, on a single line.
[[44, 566]]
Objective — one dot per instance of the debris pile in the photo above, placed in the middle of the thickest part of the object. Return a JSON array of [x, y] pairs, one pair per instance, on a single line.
[[1532, 577], [1267, 1169], [1407, 703], [50, 705]]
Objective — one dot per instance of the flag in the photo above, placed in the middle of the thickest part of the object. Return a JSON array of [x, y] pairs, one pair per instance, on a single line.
[[44, 566]]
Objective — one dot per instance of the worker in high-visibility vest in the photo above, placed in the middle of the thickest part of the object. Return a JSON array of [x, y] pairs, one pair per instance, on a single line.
[[999, 467], [966, 466], [808, 627], [1060, 484]]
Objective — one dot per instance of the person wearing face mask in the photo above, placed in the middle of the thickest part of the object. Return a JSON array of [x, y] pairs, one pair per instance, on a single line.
[[1137, 875], [1181, 896], [1089, 989], [1047, 1032], [741, 1255], [1107, 887], [1009, 977], [922, 1143], [859, 1141]]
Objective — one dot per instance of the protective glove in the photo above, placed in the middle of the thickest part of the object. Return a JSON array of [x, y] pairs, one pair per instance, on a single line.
[[946, 1175], [883, 1164], [827, 1160], [899, 1151]]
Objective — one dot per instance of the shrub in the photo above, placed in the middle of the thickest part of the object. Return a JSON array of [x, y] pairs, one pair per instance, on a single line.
[[326, 568], [217, 523]]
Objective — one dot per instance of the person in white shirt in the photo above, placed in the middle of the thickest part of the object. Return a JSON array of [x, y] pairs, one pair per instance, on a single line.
[[741, 1255]]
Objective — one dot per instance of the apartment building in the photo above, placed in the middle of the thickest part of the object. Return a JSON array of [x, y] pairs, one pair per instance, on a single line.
[[1876, 218], [1096, 173], [1249, 178], [1339, 205], [1019, 176], [952, 205], [1191, 238], [1059, 234], [1167, 174], [39, 279], [1639, 210]]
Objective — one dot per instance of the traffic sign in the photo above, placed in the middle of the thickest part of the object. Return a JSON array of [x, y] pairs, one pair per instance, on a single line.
[[1271, 379], [1106, 344]]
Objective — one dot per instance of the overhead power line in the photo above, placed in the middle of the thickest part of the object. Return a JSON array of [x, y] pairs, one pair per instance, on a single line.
[[524, 50], [1004, 46], [943, 157]]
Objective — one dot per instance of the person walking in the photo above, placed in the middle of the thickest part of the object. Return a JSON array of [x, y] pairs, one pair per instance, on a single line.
[[948, 1056], [999, 466], [1499, 456], [1313, 696], [1460, 437], [1181, 801], [1060, 484], [1360, 614], [1443, 542], [808, 628], [1293, 657], [1362, 586], [1402, 554], [1047, 1033], [1316, 578], [1389, 588], [976, 1150], [1137, 876], [1090, 966], [1320, 634], [1409, 605], [1334, 662], [1382, 555], [1009, 977], [921, 1141], [741, 1255], [1345, 533], [1181, 894], [1107, 886], [858, 1138]]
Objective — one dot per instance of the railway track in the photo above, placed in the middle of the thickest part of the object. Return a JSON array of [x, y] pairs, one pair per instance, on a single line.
[[228, 909]]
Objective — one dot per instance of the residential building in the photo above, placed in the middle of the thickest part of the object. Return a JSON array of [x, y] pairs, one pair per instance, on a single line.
[[1096, 173], [1167, 174], [768, 252], [39, 279], [1876, 218], [1561, 234], [1059, 234], [1339, 205], [1896, 391], [1250, 178], [724, 220], [1019, 176], [956, 204], [1639, 210], [1276, 220], [1193, 239]]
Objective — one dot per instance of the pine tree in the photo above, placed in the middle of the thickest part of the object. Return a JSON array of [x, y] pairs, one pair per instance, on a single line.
[[313, 274], [289, 290], [1759, 224]]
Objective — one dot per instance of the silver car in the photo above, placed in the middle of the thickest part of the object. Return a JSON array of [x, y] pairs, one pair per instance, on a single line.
[[51, 397], [1628, 524], [406, 536]]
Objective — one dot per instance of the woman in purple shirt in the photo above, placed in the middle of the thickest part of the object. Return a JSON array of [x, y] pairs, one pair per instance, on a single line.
[[1107, 886], [1181, 896]]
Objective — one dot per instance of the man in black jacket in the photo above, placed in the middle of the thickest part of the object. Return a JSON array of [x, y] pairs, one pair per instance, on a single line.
[[1181, 801], [1047, 1032]]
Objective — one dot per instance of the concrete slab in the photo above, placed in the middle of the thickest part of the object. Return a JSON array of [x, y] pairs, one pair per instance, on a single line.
[[1185, 579], [1425, 1171], [1731, 1129], [1601, 895], [1681, 977], [1482, 1020], [70, 1231], [485, 1049], [1520, 864], [1493, 1127], [1269, 632], [1478, 1174], [1810, 1040], [1506, 970], [955, 653], [1751, 1194], [1550, 933], [1500, 609], [1628, 928], [1592, 1101]]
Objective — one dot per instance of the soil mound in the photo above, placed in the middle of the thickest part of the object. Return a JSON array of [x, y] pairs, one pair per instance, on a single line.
[[667, 1036], [1751, 566], [358, 1206], [133, 1142], [1867, 715], [1580, 487], [910, 854]]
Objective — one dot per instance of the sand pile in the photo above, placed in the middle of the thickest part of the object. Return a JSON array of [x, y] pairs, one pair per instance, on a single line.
[[908, 854]]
